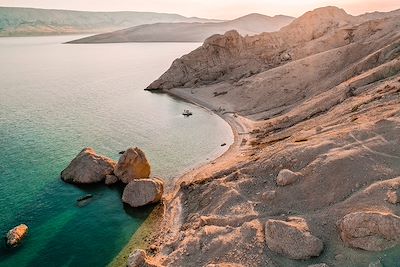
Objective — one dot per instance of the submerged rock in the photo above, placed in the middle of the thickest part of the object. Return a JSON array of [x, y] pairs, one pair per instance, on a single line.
[[132, 165], [85, 197], [287, 177], [16, 235], [370, 230], [143, 192], [292, 239], [88, 167], [377, 263]]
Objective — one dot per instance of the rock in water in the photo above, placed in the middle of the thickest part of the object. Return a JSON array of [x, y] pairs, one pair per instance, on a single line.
[[111, 179], [85, 197], [287, 177], [16, 235], [88, 167], [143, 192], [132, 165], [370, 230], [292, 239]]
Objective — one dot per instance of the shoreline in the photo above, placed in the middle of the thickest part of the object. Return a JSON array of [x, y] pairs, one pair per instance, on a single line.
[[239, 126], [158, 219]]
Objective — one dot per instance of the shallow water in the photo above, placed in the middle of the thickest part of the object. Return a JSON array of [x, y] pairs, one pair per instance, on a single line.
[[56, 99]]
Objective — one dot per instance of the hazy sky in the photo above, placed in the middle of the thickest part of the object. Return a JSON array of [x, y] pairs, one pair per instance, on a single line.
[[224, 9]]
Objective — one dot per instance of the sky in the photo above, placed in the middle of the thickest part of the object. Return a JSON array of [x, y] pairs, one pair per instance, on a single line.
[[218, 9]]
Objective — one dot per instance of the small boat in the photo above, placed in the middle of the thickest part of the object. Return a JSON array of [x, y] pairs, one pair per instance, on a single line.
[[187, 113]]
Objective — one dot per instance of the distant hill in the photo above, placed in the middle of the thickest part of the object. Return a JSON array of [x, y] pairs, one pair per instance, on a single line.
[[190, 32], [15, 21]]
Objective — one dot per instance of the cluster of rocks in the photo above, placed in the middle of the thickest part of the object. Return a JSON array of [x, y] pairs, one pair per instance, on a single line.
[[366, 230], [132, 170]]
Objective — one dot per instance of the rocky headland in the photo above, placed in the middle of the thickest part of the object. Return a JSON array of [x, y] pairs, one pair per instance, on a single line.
[[314, 174], [189, 32]]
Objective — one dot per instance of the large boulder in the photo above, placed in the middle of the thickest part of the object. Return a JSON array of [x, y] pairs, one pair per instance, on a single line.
[[287, 177], [111, 179], [370, 230], [16, 235], [138, 258], [292, 239], [132, 165], [88, 167], [143, 192]]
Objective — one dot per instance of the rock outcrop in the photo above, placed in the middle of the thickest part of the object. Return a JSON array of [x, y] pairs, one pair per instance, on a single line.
[[88, 167], [138, 258], [292, 239], [233, 57], [370, 230], [16, 235], [287, 177], [142, 192], [392, 196], [132, 165]]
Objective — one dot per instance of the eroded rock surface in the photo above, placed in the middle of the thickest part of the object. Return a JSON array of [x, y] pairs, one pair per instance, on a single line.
[[370, 230], [88, 167], [143, 192], [132, 165], [287, 177], [292, 239]]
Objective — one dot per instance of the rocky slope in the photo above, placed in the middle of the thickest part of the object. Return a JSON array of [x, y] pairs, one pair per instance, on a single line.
[[321, 162], [16, 21], [190, 32]]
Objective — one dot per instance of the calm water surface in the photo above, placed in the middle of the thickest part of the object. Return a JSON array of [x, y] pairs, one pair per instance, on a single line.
[[56, 99]]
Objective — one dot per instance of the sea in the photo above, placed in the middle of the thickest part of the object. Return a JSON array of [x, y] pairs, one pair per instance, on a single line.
[[55, 100]]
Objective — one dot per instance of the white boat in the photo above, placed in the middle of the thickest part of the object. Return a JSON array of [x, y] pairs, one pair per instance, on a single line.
[[187, 113]]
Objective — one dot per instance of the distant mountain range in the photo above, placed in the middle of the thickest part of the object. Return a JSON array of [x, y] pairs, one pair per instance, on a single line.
[[16, 21], [190, 32]]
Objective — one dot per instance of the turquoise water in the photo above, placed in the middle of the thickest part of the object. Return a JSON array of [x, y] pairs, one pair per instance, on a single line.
[[56, 99]]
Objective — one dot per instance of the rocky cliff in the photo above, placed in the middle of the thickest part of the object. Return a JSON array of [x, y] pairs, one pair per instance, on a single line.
[[231, 57], [314, 178]]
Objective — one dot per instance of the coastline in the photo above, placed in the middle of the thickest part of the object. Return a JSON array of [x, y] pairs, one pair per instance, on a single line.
[[167, 214]]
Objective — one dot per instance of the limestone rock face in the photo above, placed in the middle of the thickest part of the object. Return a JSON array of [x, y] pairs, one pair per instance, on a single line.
[[370, 230], [132, 165], [232, 57], [287, 177], [292, 239], [88, 167], [143, 192], [16, 235]]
